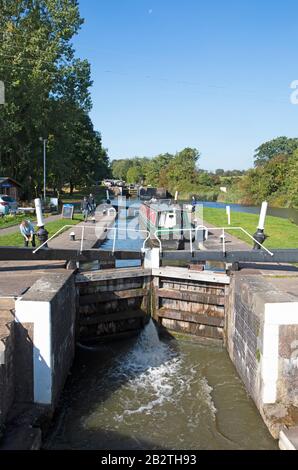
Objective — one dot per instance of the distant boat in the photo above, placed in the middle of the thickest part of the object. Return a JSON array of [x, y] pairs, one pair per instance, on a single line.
[[147, 193]]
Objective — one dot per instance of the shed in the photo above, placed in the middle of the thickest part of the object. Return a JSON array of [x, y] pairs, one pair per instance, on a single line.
[[10, 187]]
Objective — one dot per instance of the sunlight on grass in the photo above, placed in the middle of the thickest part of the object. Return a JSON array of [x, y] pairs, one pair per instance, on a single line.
[[16, 239], [282, 233]]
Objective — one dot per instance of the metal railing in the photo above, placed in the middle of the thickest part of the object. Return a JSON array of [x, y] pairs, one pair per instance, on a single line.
[[105, 229], [189, 230], [206, 229]]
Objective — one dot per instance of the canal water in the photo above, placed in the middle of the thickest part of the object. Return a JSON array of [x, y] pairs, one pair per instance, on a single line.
[[144, 393], [147, 393]]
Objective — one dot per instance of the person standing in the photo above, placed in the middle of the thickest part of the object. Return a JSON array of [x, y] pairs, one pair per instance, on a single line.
[[42, 235], [85, 208], [92, 204], [27, 231], [193, 203]]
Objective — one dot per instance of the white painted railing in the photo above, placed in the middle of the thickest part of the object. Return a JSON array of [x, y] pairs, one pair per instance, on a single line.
[[203, 227], [83, 227], [189, 230]]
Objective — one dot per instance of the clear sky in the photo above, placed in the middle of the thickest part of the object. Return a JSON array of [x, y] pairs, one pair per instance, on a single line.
[[212, 74]]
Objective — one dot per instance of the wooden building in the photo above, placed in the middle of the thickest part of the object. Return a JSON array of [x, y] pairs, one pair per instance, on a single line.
[[10, 187]]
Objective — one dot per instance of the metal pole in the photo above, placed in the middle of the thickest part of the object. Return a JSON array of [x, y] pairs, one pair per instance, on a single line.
[[44, 169], [223, 241], [114, 241], [82, 239]]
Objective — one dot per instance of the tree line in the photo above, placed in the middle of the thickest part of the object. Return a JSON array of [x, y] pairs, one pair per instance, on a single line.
[[176, 172], [47, 95], [274, 176]]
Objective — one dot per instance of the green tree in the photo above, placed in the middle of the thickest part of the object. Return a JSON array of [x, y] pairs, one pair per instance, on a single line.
[[47, 93], [120, 168], [279, 146], [183, 169], [157, 167], [134, 175], [292, 180]]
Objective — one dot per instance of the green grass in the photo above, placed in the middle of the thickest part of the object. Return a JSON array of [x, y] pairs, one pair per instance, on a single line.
[[16, 239], [282, 233], [11, 220]]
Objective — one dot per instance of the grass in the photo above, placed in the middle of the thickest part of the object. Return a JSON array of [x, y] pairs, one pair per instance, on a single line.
[[282, 233], [11, 220], [16, 239]]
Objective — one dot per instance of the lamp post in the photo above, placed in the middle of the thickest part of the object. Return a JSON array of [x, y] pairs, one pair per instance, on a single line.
[[44, 166]]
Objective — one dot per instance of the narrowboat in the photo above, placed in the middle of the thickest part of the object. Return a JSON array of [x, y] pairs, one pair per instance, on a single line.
[[167, 221]]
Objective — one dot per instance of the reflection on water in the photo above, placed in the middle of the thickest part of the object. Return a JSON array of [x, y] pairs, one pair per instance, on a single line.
[[150, 394]]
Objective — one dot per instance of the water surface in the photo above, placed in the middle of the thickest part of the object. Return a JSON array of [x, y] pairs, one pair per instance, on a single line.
[[144, 393]]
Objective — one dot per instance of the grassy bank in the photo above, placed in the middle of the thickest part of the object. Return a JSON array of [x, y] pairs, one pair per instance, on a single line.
[[281, 232], [12, 220], [16, 239]]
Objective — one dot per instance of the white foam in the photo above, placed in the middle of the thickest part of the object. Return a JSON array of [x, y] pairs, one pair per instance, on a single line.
[[156, 374]]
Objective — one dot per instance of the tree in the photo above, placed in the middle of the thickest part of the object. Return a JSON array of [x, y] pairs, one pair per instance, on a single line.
[[182, 168], [120, 168], [134, 175], [47, 92], [279, 146], [155, 167], [292, 180]]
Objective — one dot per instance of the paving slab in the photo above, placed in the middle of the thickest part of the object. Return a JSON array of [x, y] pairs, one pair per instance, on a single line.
[[16, 277], [93, 232], [215, 242]]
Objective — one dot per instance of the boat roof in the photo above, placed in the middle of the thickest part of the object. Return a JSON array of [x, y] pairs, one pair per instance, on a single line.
[[163, 206]]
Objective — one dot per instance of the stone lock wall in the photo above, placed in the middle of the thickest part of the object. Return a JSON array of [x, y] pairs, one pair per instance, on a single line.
[[262, 340], [45, 318]]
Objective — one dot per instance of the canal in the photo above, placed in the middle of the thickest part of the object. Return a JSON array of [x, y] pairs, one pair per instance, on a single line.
[[144, 393], [151, 393]]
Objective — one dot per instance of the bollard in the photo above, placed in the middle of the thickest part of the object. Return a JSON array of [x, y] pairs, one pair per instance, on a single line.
[[38, 209], [72, 236], [260, 235]]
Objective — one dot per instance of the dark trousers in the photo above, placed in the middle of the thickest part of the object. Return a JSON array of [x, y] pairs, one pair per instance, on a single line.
[[26, 243]]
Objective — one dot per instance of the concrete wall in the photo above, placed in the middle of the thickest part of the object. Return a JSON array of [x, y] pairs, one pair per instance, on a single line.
[[262, 340], [46, 327]]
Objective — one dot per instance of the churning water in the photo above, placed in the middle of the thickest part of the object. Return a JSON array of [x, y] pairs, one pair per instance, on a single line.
[[149, 394]]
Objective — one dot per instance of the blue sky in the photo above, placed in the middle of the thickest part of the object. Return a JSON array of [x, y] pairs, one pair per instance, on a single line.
[[170, 74]]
